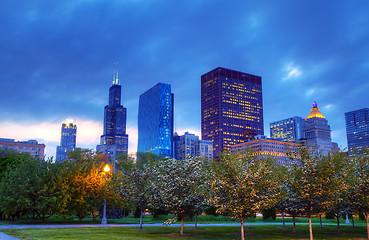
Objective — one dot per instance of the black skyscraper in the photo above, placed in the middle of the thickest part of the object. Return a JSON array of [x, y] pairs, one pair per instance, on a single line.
[[114, 141]]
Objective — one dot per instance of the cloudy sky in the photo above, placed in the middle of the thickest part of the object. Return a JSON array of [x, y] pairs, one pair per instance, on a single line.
[[57, 59]]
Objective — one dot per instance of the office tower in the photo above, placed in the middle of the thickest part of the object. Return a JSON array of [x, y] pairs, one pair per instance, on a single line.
[[265, 147], [357, 129], [290, 129], [317, 131], [231, 108], [31, 146], [114, 141], [189, 145], [155, 121], [67, 140]]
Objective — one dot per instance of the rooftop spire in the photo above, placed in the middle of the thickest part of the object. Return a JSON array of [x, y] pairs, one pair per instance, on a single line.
[[315, 112], [115, 74]]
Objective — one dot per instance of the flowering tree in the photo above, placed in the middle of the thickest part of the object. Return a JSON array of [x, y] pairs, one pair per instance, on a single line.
[[178, 186], [310, 183], [359, 190], [243, 185]]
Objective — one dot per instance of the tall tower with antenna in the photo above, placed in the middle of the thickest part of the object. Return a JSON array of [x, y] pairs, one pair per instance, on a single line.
[[114, 140]]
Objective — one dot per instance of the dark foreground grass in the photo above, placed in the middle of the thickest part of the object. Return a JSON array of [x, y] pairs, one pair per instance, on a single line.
[[255, 233]]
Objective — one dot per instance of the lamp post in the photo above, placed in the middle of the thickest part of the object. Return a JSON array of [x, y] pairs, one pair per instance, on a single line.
[[106, 170]]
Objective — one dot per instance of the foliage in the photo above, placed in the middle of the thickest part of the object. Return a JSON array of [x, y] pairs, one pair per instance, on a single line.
[[178, 186], [269, 213], [243, 185]]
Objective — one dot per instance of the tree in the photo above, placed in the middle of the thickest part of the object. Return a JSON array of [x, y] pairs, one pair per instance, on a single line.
[[178, 186], [360, 183], [243, 185], [310, 184]]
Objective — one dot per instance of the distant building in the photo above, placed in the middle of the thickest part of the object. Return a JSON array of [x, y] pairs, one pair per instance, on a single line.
[[155, 121], [67, 140], [264, 147], [231, 108], [357, 129], [290, 129], [114, 141], [318, 132], [30, 146], [189, 145]]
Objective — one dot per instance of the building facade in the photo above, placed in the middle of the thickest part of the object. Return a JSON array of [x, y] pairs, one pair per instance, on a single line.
[[114, 140], [264, 147], [155, 121], [290, 129], [357, 129], [317, 132], [31, 146], [189, 145], [231, 108], [67, 140]]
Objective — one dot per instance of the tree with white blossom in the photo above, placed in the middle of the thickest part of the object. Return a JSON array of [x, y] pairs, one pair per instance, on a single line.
[[178, 186], [243, 184]]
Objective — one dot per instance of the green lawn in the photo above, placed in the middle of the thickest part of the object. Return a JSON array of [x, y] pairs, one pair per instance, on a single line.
[[255, 233]]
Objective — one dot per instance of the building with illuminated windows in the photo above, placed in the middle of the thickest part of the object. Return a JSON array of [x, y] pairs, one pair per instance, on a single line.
[[189, 145], [290, 129], [155, 121], [114, 140], [317, 131], [357, 129], [67, 140], [231, 108], [31, 146], [264, 147]]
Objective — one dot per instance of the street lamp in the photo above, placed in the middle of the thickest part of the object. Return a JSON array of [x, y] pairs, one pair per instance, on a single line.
[[106, 170]]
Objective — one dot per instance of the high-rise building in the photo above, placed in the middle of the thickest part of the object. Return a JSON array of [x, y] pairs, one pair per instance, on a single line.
[[189, 145], [67, 140], [231, 108], [31, 146], [318, 132], [114, 141], [357, 129], [155, 121], [290, 129]]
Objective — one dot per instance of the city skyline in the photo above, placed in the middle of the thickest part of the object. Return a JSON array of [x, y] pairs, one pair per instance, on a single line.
[[57, 60]]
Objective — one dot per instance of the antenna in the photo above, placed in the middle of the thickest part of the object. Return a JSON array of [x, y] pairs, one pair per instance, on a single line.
[[115, 74]]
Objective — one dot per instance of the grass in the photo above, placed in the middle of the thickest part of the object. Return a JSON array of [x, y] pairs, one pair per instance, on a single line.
[[255, 233]]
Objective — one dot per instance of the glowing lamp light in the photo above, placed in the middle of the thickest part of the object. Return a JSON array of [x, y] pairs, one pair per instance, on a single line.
[[106, 168]]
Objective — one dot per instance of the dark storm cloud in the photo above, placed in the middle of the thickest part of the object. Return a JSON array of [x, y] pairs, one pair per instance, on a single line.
[[57, 56]]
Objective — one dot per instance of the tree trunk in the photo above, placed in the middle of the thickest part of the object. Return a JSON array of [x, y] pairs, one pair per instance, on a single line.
[[141, 219], [242, 231], [367, 224], [181, 225], [124, 213], [294, 223], [284, 225], [320, 218], [352, 218], [195, 220], [338, 223], [310, 229]]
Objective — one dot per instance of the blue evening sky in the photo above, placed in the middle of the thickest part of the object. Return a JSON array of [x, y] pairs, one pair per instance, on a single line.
[[57, 57]]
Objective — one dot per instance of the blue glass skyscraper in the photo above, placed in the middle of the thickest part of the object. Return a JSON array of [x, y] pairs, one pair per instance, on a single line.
[[114, 141], [290, 129], [357, 129], [155, 121], [67, 140]]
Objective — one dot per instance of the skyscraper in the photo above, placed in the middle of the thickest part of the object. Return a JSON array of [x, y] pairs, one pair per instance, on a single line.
[[290, 129], [155, 121], [317, 131], [231, 108], [357, 129], [114, 141], [67, 140]]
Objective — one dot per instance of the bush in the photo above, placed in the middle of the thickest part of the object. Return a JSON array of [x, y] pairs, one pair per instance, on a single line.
[[269, 213], [211, 210]]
